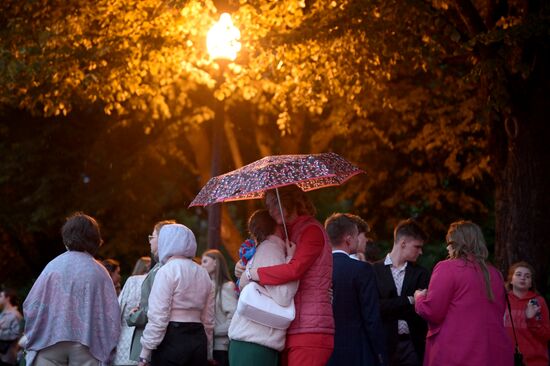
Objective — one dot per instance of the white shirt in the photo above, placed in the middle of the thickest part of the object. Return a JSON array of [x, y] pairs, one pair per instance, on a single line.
[[398, 275]]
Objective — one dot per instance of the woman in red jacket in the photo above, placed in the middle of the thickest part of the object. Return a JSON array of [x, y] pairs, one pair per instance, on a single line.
[[310, 337], [530, 315]]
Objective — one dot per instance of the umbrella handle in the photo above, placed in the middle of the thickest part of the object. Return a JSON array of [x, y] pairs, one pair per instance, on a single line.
[[281, 210]]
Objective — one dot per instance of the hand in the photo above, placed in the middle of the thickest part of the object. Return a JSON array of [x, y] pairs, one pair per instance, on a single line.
[[290, 249], [254, 274], [420, 293], [531, 310], [239, 269]]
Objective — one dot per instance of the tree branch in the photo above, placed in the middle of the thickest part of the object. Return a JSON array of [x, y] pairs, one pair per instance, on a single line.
[[470, 17]]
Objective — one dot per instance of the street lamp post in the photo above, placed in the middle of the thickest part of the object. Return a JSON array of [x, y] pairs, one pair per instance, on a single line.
[[222, 42]]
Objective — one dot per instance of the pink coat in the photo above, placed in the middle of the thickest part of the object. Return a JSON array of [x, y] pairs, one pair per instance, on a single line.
[[464, 326]]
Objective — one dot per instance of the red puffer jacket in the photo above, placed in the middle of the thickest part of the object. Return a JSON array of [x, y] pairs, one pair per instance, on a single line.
[[312, 266]]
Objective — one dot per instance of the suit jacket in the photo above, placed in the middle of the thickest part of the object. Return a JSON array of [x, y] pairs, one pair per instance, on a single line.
[[393, 307], [358, 337]]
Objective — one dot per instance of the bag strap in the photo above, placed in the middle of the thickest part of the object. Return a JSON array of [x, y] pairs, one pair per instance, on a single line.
[[511, 319]]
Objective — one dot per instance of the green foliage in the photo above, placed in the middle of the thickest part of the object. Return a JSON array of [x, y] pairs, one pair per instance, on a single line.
[[392, 85]]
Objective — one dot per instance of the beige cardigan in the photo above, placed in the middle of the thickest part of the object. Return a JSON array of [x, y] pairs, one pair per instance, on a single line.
[[226, 304], [270, 252]]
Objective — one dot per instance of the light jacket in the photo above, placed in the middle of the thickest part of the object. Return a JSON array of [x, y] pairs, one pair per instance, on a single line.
[[226, 304], [182, 291], [271, 251]]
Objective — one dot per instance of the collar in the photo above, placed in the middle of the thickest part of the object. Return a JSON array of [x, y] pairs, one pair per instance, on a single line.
[[388, 262], [340, 251]]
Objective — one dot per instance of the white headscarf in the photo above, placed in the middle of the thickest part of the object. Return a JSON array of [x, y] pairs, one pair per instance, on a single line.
[[176, 239]]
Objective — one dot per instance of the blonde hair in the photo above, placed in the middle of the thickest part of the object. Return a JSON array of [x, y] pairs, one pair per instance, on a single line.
[[221, 272], [467, 243], [142, 266]]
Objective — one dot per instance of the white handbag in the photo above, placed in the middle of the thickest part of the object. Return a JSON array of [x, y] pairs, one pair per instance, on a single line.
[[256, 305]]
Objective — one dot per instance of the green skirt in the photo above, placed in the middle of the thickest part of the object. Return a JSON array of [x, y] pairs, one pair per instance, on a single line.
[[248, 354]]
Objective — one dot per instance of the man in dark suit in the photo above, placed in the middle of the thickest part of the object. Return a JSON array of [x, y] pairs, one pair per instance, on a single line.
[[398, 277], [358, 338]]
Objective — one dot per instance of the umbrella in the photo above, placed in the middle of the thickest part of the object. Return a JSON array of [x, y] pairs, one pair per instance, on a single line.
[[307, 171]]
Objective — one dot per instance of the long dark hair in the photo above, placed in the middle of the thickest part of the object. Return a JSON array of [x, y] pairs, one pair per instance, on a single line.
[[261, 225]]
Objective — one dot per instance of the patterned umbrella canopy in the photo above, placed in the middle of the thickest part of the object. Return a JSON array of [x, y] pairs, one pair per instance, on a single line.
[[308, 172]]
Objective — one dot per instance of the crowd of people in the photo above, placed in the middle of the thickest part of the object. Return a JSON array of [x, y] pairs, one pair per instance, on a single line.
[[350, 309]]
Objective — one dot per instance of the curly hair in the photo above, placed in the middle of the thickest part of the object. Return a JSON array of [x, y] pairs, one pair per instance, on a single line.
[[81, 233]]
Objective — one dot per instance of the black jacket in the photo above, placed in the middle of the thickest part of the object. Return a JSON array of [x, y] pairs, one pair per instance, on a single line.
[[393, 307], [358, 337]]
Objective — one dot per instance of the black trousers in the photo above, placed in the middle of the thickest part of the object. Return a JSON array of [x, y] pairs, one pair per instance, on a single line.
[[183, 344], [221, 357]]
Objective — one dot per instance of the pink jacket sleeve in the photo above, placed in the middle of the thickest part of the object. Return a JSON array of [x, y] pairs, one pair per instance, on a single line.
[[433, 307]]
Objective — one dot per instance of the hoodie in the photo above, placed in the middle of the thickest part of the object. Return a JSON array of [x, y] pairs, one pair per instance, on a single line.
[[532, 334], [182, 291]]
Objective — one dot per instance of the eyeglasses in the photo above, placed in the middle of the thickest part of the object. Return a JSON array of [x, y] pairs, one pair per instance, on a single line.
[[151, 237]]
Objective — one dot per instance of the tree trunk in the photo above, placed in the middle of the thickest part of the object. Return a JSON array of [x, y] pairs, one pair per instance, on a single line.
[[523, 175]]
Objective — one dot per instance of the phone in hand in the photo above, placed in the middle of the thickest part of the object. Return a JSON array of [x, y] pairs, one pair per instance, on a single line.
[[538, 315]]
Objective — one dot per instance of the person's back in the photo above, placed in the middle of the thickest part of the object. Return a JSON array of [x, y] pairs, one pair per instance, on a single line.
[[464, 305], [313, 310], [358, 338], [72, 311], [191, 289], [181, 305], [471, 321]]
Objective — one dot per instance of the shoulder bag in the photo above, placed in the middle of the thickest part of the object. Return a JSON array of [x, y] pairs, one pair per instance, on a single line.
[[255, 304], [518, 357]]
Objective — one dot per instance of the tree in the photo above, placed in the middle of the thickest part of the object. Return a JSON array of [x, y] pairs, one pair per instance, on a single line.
[[438, 99]]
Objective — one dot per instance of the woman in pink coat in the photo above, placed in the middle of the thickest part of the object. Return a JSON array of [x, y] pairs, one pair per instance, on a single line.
[[464, 305]]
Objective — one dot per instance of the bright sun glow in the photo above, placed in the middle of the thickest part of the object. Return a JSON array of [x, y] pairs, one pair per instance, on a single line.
[[222, 40]]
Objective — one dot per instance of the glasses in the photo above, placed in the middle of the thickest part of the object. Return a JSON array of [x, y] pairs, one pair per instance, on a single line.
[[151, 237]]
